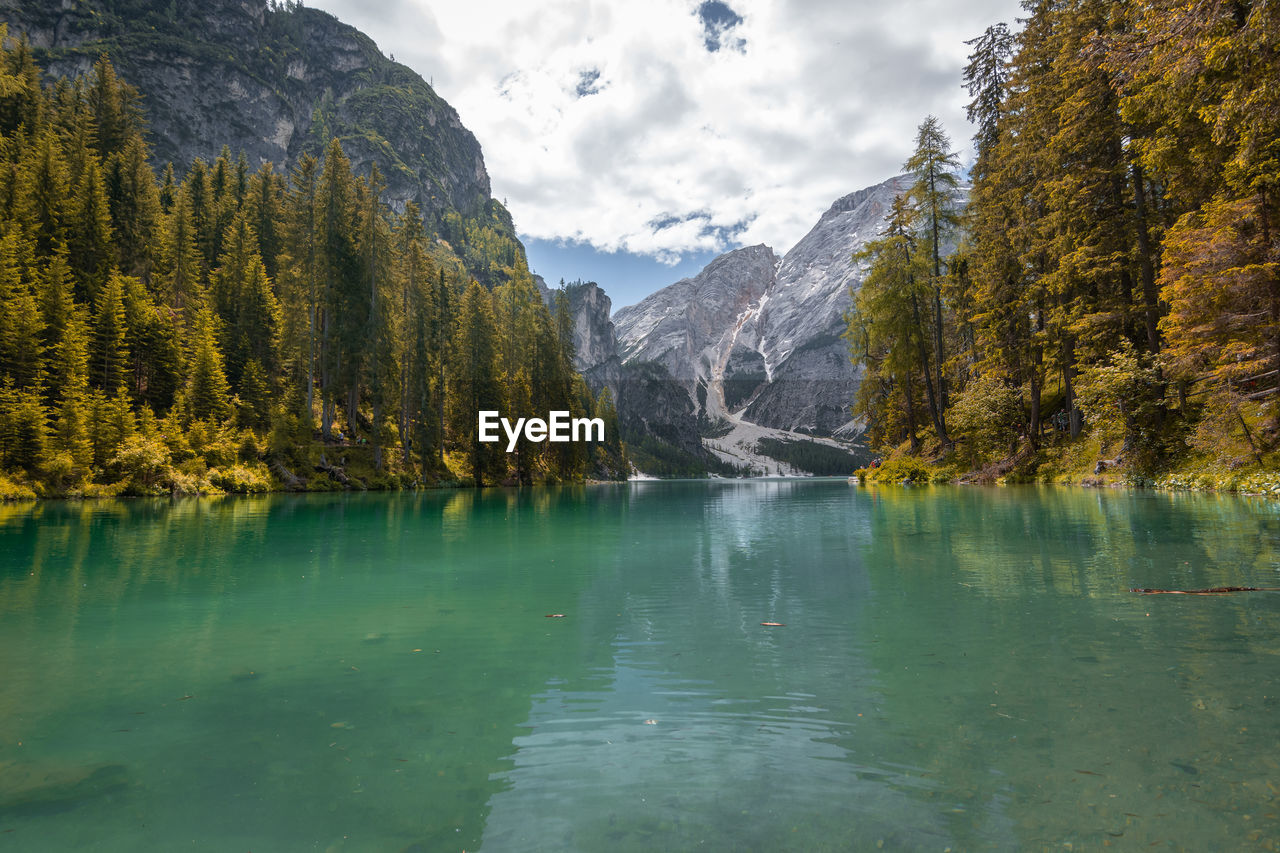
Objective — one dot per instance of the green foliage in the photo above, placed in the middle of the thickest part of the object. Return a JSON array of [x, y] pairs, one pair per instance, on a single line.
[[1118, 249], [822, 460], [987, 417], [1120, 399], [142, 460], [904, 470]]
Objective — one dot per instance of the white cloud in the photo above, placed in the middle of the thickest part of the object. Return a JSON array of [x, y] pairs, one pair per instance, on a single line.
[[676, 148]]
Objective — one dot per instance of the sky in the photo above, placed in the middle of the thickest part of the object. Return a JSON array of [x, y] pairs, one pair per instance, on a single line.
[[635, 140]]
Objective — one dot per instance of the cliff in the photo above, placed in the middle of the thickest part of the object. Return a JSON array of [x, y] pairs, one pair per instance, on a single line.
[[758, 338], [274, 81]]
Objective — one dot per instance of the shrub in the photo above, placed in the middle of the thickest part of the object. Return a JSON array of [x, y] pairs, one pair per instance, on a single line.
[[902, 469]]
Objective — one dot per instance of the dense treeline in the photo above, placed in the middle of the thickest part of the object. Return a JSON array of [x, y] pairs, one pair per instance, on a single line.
[[1117, 264], [240, 330], [821, 460]]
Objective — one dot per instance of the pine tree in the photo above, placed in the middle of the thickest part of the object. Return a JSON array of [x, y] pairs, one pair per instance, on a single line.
[[134, 202], [42, 183], [887, 329], [301, 277], [473, 385], [207, 395], [20, 96], [245, 304], [108, 356], [21, 322], [181, 283], [343, 305], [90, 233], [933, 195]]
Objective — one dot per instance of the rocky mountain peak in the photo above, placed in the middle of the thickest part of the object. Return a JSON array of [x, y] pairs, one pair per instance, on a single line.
[[760, 338], [680, 325], [594, 338]]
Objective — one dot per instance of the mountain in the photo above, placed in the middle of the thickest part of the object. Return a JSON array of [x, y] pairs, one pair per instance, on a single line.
[[274, 81], [656, 416], [758, 340]]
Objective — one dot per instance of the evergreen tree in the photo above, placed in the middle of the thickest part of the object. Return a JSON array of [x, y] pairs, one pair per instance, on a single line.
[[244, 303], [90, 233], [108, 357], [208, 395], [473, 382], [21, 322], [933, 194]]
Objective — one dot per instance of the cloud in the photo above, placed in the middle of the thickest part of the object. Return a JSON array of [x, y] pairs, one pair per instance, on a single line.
[[630, 126]]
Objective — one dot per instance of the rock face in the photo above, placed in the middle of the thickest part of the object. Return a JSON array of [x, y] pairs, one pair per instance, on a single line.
[[689, 325], [760, 339], [274, 81], [594, 337], [655, 412]]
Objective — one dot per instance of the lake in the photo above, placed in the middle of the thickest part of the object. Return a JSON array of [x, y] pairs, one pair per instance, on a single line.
[[587, 668]]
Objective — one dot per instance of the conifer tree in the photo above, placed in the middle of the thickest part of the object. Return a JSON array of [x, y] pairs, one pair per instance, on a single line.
[[134, 202], [933, 195], [42, 185], [343, 309], [473, 385], [207, 396], [90, 233], [181, 283], [21, 322], [108, 358], [246, 306], [20, 96]]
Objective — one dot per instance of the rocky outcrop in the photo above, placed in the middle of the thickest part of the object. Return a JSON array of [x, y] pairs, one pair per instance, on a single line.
[[594, 338], [760, 338], [273, 80], [656, 414], [812, 381], [687, 325]]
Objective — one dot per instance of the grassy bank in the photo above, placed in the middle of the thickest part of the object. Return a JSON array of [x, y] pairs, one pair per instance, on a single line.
[[1218, 455]]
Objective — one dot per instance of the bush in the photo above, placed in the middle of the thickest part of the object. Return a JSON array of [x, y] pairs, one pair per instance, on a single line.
[[987, 415], [142, 460], [11, 491], [242, 479], [906, 470]]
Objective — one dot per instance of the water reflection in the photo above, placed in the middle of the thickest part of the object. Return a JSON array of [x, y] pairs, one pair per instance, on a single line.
[[956, 667]]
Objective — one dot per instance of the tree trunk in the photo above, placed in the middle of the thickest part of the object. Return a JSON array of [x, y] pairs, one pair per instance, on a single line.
[[377, 444], [939, 355], [1075, 417], [1150, 298], [934, 412], [911, 413], [311, 359], [1033, 430], [353, 403]]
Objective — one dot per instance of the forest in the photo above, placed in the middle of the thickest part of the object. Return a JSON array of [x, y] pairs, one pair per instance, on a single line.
[[241, 330], [1104, 293]]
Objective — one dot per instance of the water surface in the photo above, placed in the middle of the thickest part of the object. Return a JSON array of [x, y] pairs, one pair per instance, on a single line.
[[960, 668]]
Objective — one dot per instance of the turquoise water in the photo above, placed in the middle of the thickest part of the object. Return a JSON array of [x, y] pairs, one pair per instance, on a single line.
[[956, 668]]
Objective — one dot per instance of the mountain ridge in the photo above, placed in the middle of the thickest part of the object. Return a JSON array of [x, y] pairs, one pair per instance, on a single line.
[[274, 81], [760, 336]]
